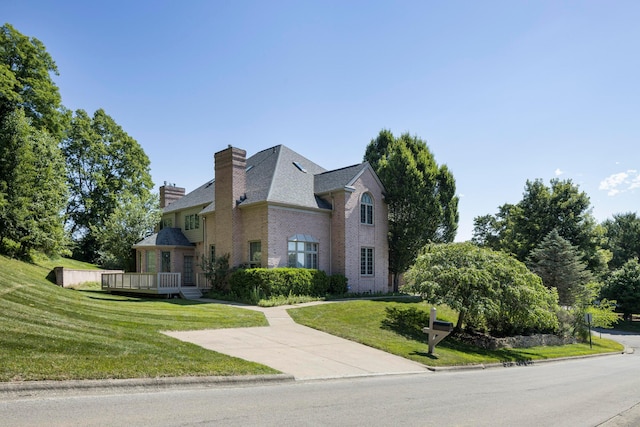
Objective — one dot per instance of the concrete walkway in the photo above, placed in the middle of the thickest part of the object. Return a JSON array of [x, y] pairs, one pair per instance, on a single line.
[[298, 350]]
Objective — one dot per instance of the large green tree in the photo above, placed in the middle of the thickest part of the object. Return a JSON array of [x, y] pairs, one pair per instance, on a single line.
[[103, 163], [560, 266], [25, 81], [624, 286], [419, 193], [490, 289], [133, 219], [519, 228], [622, 238], [32, 187]]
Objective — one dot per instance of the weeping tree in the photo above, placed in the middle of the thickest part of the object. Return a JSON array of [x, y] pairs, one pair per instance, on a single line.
[[491, 290], [420, 195]]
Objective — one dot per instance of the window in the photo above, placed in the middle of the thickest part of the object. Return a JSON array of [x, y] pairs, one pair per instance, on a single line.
[[166, 262], [366, 209], [303, 251], [212, 253], [191, 222], [151, 262], [366, 261], [166, 223], [255, 254]]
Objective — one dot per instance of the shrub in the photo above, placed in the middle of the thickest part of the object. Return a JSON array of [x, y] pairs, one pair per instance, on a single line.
[[270, 282], [338, 285]]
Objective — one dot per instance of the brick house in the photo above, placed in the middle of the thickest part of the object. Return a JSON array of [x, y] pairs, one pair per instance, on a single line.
[[275, 209]]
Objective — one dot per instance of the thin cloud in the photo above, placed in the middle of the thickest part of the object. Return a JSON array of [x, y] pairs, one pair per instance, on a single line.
[[620, 182], [559, 172]]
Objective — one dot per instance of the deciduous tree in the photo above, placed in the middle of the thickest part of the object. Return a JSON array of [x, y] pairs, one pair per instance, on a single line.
[[420, 195], [624, 286], [519, 228], [489, 289], [622, 238], [103, 162], [25, 81], [133, 219]]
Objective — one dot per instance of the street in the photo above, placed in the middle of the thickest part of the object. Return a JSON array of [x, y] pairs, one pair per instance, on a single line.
[[582, 392]]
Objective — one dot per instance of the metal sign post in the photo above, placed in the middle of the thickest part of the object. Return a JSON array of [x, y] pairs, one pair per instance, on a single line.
[[588, 317]]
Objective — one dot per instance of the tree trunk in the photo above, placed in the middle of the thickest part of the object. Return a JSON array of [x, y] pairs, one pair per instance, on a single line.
[[458, 327]]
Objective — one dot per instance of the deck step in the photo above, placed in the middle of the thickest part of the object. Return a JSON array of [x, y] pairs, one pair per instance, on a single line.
[[190, 293]]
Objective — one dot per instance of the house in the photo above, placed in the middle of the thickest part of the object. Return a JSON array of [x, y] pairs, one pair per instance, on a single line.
[[275, 209]]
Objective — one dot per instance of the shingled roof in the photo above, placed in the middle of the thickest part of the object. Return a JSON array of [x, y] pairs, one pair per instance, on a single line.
[[166, 237], [278, 175]]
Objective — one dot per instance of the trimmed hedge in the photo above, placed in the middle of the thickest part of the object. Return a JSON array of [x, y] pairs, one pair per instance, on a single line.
[[269, 282]]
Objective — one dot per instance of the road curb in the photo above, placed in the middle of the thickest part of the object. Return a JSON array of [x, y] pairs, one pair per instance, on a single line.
[[522, 363], [142, 383]]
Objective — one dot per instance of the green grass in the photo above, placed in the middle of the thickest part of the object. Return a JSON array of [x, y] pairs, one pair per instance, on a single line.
[[361, 321], [56, 334]]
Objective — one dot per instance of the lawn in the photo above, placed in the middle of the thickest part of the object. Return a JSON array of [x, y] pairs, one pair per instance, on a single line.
[[362, 321], [57, 334]]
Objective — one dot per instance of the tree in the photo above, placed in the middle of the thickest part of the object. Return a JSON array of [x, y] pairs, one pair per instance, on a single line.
[[622, 238], [103, 163], [420, 195], [133, 219], [559, 265], [519, 228], [25, 81], [32, 187], [488, 288], [624, 286]]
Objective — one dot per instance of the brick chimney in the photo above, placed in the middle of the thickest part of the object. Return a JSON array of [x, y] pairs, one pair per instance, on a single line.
[[169, 193], [230, 188]]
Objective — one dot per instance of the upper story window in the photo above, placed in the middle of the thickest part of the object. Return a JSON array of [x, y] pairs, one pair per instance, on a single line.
[[302, 250], [366, 209], [166, 223], [191, 222]]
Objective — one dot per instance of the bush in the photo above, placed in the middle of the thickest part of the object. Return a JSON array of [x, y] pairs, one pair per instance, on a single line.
[[246, 284], [338, 285]]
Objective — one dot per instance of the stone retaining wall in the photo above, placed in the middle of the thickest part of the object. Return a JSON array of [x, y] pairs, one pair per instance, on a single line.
[[518, 341]]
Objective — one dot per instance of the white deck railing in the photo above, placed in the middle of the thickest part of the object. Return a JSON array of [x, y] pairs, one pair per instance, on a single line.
[[161, 283]]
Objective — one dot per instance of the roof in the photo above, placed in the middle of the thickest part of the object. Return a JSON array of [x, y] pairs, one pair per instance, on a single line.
[[165, 237], [278, 175]]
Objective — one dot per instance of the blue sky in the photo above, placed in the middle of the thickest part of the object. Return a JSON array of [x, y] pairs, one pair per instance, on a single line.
[[501, 91]]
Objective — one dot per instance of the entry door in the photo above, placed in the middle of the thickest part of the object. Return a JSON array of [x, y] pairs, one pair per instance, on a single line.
[[188, 270]]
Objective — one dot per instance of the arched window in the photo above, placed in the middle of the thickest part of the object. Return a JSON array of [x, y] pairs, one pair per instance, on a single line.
[[366, 209]]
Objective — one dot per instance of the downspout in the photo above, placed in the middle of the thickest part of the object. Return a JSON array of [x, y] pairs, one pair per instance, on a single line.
[[331, 235]]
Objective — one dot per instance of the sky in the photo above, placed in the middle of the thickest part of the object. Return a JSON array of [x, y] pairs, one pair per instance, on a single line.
[[501, 91]]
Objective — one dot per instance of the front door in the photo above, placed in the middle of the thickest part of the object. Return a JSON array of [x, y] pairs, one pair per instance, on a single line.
[[188, 270]]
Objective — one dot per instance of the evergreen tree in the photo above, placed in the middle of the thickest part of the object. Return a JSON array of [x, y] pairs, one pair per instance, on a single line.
[[559, 265], [622, 238], [32, 187]]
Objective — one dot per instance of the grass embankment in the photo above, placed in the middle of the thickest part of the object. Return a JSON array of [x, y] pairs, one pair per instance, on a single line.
[[57, 334], [362, 321]]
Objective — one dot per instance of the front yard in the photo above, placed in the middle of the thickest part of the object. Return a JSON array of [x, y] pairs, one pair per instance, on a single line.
[[362, 321]]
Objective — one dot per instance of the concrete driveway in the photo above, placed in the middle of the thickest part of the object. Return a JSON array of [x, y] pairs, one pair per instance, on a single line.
[[298, 350]]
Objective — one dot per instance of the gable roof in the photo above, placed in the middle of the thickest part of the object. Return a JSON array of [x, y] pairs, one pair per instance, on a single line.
[[278, 175]]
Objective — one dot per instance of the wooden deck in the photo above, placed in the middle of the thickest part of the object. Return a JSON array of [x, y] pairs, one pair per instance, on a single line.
[[145, 283]]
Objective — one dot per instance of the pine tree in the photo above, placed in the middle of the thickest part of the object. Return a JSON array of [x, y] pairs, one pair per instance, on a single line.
[[559, 265]]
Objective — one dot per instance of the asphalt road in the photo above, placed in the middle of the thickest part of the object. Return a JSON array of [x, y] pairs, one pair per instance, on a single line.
[[584, 392]]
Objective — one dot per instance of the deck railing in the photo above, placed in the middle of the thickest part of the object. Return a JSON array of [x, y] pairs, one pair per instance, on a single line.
[[202, 282], [161, 283]]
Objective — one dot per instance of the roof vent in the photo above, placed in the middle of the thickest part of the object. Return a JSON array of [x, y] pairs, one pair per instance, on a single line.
[[299, 166], [248, 168]]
